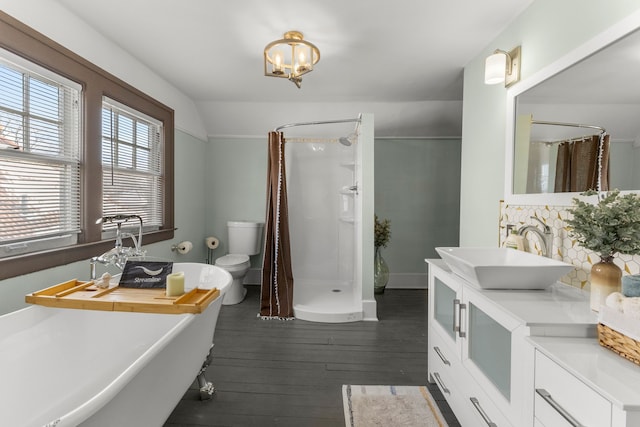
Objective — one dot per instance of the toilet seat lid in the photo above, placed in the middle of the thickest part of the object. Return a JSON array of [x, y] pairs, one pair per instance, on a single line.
[[231, 260]]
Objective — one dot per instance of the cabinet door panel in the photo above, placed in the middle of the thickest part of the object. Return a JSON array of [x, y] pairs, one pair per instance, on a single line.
[[443, 307], [489, 347]]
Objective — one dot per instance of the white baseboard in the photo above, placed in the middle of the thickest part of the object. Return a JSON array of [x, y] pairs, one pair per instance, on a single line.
[[369, 310], [407, 281]]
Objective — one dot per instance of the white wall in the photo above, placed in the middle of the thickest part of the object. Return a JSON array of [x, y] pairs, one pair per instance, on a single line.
[[392, 119], [547, 30]]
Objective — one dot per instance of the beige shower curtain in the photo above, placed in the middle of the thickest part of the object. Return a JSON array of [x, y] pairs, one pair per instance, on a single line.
[[577, 165], [276, 297]]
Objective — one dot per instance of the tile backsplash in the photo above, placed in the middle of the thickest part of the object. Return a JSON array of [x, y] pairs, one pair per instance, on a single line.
[[564, 248]]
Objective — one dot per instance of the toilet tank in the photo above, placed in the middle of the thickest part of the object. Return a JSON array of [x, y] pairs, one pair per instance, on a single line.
[[245, 237]]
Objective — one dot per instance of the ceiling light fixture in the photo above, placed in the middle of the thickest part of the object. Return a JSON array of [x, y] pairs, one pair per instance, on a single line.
[[502, 66], [290, 57]]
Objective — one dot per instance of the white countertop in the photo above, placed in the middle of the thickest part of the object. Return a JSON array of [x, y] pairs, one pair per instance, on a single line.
[[613, 376], [554, 315], [558, 306]]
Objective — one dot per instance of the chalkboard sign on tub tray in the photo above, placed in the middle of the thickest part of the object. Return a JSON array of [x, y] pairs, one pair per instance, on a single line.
[[145, 274]]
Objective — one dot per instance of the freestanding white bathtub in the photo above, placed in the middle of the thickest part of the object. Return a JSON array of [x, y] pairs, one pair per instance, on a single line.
[[66, 367]]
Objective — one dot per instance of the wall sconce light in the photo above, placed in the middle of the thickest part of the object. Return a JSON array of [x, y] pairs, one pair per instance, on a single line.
[[290, 57], [502, 66]]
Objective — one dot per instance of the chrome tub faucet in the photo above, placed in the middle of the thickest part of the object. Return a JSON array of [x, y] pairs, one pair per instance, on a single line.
[[119, 254]]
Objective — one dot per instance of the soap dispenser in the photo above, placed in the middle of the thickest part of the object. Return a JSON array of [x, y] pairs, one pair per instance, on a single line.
[[514, 240]]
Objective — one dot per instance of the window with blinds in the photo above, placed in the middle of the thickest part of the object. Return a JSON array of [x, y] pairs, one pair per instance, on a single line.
[[132, 169], [40, 158]]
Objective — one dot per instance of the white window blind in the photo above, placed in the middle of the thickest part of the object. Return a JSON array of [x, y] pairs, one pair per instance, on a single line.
[[40, 158], [132, 165]]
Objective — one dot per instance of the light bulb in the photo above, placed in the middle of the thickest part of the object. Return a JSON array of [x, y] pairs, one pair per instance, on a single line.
[[277, 63]]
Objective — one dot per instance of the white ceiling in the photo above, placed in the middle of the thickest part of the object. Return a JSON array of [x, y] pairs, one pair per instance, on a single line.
[[385, 57]]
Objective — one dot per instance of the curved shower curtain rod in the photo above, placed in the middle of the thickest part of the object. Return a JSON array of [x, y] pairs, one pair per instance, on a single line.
[[327, 122], [575, 125]]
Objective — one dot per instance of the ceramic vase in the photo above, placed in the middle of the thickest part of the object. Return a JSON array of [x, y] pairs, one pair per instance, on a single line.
[[380, 272], [606, 278]]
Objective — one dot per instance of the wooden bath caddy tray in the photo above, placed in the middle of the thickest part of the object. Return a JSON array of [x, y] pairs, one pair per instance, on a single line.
[[86, 296]]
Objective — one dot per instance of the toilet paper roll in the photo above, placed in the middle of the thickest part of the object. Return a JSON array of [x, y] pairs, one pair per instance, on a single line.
[[185, 247], [212, 242]]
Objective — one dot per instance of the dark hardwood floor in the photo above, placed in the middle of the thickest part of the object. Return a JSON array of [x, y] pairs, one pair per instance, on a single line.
[[290, 373]]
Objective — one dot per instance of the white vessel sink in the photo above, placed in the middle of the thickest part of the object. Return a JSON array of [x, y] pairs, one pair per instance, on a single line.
[[503, 268]]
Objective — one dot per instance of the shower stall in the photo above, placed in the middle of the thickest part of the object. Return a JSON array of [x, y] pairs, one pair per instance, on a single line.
[[329, 172]]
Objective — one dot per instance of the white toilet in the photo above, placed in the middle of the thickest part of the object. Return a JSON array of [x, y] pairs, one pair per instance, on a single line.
[[244, 240]]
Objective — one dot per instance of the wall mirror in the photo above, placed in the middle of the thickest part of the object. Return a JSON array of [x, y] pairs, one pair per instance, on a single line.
[[556, 119]]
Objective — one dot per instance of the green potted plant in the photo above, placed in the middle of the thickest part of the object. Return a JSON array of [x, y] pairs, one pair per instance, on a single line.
[[609, 226], [382, 234]]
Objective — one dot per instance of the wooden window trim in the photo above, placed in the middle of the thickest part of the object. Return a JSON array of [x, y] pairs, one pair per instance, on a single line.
[[26, 42]]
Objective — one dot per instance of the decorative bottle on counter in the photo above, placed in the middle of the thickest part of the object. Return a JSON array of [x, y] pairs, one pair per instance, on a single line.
[[606, 278]]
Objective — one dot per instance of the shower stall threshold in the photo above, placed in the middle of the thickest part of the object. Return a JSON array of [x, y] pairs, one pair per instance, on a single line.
[[327, 304]]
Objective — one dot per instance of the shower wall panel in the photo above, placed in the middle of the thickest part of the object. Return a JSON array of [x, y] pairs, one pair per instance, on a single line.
[[319, 178]]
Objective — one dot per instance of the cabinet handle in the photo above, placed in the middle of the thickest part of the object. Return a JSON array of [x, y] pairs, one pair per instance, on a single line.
[[439, 353], [461, 333], [456, 315], [440, 383], [483, 414], [555, 405]]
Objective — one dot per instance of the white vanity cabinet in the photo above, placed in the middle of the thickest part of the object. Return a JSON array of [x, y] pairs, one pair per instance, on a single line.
[[478, 351], [561, 399], [580, 383], [471, 344]]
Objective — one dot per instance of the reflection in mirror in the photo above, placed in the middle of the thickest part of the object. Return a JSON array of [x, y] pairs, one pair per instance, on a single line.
[[565, 164], [599, 92]]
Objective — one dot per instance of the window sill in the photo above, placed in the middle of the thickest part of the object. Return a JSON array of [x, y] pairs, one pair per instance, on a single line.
[[30, 263]]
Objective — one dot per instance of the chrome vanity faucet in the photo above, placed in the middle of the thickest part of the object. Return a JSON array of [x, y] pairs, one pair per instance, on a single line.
[[119, 254], [545, 236]]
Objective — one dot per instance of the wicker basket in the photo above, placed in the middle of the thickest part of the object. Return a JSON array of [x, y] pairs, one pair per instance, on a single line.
[[619, 343]]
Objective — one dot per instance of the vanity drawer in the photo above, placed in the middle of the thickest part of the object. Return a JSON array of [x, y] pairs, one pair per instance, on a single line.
[[442, 362], [441, 352], [561, 399], [465, 397], [481, 410]]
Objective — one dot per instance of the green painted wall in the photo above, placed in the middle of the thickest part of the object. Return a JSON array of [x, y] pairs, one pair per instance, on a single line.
[[417, 187], [236, 185], [547, 30]]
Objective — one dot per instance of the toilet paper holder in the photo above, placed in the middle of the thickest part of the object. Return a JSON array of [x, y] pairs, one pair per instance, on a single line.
[[182, 247]]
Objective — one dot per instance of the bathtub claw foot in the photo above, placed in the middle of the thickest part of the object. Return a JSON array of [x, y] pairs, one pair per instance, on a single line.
[[206, 387], [206, 391]]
